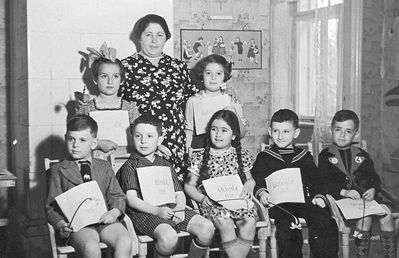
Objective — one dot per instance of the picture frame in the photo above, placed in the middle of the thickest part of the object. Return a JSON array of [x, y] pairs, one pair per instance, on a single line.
[[243, 48]]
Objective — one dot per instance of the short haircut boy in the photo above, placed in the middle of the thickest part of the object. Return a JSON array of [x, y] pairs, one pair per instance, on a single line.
[[285, 115], [345, 115], [149, 119], [82, 122]]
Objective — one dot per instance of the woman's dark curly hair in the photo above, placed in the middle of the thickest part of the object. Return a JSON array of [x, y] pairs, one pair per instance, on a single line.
[[231, 119], [197, 73]]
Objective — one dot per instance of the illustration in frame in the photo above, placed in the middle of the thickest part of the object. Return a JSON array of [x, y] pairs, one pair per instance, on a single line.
[[240, 47]]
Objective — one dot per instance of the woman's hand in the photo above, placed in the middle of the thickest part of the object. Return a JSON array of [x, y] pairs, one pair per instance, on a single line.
[[106, 145], [110, 216], [165, 213], [164, 151], [353, 194], [369, 194]]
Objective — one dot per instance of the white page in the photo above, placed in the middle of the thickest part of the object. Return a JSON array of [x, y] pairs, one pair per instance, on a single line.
[[226, 190], [205, 108], [285, 185], [112, 125], [353, 209], [156, 185], [86, 200]]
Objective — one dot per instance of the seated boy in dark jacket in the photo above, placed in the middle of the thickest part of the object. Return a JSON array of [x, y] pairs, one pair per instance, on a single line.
[[323, 232]]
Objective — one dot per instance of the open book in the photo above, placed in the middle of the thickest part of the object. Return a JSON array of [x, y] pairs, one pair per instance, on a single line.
[[82, 205], [285, 185], [353, 209], [226, 191]]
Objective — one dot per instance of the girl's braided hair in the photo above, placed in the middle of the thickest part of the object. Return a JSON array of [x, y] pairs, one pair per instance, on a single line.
[[231, 119]]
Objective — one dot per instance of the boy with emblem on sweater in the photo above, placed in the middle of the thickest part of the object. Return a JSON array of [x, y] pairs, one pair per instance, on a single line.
[[350, 173]]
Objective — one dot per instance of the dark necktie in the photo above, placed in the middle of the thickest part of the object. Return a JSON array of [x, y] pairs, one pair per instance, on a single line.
[[85, 170]]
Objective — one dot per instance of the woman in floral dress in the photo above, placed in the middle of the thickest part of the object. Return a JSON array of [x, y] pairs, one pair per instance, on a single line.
[[159, 84]]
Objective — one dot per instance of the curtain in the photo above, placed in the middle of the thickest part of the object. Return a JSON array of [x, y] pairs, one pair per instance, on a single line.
[[327, 75]]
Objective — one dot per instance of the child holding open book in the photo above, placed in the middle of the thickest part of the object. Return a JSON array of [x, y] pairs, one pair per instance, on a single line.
[[157, 219], [223, 156], [81, 139], [283, 154], [350, 173]]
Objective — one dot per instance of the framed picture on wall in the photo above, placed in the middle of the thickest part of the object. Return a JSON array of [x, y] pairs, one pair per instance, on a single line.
[[240, 47]]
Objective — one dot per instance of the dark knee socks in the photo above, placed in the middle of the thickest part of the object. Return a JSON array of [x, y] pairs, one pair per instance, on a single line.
[[388, 241], [362, 244]]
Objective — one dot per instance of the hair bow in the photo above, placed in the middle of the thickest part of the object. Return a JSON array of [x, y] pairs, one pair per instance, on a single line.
[[104, 52]]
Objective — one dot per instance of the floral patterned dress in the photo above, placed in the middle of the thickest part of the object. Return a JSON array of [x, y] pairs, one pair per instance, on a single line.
[[163, 91], [223, 164]]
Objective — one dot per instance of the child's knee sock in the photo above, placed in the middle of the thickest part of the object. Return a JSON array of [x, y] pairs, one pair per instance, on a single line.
[[232, 248], [197, 248], [388, 242], [245, 246], [362, 245]]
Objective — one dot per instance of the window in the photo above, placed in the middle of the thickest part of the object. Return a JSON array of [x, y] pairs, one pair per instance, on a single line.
[[317, 52]]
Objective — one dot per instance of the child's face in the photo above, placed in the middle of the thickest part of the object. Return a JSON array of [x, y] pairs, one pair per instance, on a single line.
[[152, 40], [221, 134], [213, 77], [109, 79], [343, 133], [283, 134], [80, 144], [146, 140]]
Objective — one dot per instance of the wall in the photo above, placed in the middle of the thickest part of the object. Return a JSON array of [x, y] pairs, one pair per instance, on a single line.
[[252, 86], [380, 90]]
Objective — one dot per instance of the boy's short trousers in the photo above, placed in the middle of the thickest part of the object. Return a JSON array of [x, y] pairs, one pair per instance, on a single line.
[[145, 223]]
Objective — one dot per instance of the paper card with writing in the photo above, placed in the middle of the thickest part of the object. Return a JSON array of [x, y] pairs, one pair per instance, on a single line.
[[204, 109], [156, 185], [353, 209], [225, 190], [112, 125], [285, 185], [82, 205]]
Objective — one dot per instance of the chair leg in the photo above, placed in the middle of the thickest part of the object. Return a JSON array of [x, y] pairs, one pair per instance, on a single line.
[[142, 250], [345, 245], [273, 242], [262, 237]]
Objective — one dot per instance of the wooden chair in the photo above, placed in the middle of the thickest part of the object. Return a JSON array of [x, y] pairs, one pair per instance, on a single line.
[[63, 251]]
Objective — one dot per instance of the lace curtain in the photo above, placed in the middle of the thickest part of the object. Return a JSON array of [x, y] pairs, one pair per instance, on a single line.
[[327, 58]]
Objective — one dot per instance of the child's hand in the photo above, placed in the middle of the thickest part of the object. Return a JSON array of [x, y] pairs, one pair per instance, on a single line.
[[178, 216], [64, 229], [110, 216], [246, 192], [232, 93], [369, 194], [107, 145], [353, 194], [165, 213], [164, 151], [264, 198], [205, 202], [319, 202]]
